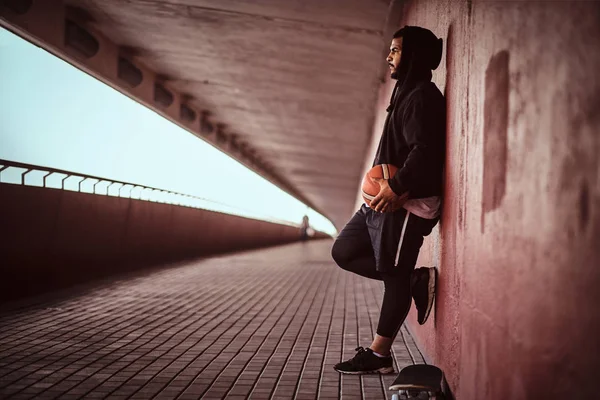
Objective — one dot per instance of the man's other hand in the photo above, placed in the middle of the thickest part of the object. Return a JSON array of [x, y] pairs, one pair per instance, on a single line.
[[386, 200]]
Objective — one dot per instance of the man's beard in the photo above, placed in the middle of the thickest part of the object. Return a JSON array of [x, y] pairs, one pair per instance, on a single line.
[[394, 74]]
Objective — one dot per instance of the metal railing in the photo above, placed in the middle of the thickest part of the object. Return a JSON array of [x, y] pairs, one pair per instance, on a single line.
[[136, 191]]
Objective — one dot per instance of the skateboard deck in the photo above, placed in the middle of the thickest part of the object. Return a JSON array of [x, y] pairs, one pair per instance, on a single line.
[[416, 381]]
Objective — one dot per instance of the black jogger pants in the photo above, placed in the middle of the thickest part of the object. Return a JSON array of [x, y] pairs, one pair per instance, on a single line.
[[384, 246]]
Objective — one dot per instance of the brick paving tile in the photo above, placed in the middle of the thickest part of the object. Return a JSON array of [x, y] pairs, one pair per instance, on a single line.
[[265, 324]]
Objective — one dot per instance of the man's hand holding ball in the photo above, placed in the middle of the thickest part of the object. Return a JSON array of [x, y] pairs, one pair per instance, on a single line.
[[386, 200]]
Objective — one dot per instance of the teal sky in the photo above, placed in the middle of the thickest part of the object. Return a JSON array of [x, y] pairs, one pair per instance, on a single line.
[[54, 115]]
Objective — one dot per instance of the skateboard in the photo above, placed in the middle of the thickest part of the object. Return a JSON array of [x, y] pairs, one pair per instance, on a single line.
[[418, 382]]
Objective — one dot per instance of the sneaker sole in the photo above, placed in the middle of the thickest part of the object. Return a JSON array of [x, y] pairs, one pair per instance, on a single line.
[[430, 294], [384, 370]]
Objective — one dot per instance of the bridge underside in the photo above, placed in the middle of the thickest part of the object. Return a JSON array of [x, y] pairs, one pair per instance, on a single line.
[[287, 88]]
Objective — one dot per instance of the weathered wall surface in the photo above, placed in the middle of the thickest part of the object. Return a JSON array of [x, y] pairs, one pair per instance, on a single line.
[[53, 238], [517, 248]]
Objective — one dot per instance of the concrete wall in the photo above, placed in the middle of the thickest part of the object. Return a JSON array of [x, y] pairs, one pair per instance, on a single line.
[[53, 238], [517, 248]]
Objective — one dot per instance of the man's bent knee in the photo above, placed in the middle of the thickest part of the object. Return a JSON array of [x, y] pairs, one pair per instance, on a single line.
[[339, 254]]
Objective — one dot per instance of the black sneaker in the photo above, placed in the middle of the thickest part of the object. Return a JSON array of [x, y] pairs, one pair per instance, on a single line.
[[423, 291], [365, 362]]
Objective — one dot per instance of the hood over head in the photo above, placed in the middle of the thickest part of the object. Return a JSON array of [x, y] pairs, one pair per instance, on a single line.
[[421, 53]]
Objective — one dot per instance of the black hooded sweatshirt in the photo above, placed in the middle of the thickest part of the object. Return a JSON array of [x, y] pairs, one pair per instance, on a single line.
[[414, 133]]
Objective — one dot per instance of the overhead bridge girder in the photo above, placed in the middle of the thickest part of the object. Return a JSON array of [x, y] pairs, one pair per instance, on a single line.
[[70, 34]]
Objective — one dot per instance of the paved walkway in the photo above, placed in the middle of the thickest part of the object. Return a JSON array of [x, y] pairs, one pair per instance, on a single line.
[[260, 324]]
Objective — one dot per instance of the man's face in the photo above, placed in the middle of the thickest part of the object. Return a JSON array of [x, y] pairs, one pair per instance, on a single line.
[[393, 58]]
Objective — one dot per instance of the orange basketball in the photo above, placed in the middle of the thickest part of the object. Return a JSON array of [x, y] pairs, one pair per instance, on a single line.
[[370, 189]]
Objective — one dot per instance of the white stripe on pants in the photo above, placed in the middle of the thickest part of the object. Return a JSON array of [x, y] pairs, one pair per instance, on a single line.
[[401, 238]]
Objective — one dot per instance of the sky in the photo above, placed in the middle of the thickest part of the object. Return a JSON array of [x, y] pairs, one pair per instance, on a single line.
[[54, 115]]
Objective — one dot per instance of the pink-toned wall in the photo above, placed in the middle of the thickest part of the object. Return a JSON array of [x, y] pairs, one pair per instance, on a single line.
[[518, 250], [54, 238]]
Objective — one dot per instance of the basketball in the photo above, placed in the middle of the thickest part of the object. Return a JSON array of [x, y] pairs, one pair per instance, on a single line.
[[370, 189]]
